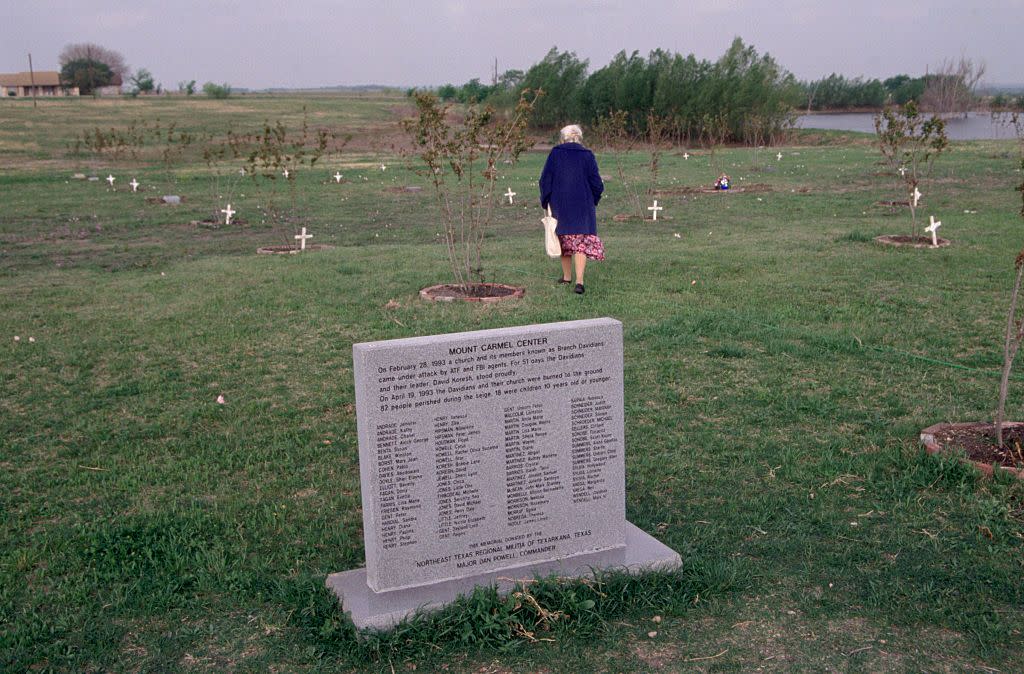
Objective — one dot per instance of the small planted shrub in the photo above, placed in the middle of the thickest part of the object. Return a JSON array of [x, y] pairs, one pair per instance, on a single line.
[[461, 160], [1014, 323], [276, 158], [612, 133], [909, 144]]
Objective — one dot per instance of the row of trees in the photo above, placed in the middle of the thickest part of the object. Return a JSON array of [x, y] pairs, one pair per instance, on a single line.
[[1003, 101], [949, 90], [837, 92], [91, 67], [696, 98], [475, 91], [686, 95]]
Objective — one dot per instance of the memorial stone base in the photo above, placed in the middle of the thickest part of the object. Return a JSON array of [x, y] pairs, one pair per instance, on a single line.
[[384, 610], [487, 457]]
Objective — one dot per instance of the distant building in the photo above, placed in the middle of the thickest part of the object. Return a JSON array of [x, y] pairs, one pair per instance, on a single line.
[[42, 83], [112, 89]]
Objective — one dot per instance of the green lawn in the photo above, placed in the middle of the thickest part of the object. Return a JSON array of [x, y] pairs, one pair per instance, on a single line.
[[779, 366]]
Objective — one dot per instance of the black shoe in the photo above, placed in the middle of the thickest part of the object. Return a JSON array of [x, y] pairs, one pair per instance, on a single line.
[[564, 280], [579, 289]]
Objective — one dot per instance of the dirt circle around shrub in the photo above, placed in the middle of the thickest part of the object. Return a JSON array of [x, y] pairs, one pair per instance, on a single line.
[[474, 292], [625, 217], [160, 201], [911, 241], [288, 250], [976, 441], [216, 224]]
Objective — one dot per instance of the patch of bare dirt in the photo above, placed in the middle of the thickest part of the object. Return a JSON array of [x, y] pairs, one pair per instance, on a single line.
[[216, 224], [287, 249], [978, 442], [625, 217], [60, 235], [472, 292], [911, 241], [657, 657]]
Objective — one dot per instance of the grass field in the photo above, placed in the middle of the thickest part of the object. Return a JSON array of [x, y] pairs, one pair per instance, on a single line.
[[779, 366]]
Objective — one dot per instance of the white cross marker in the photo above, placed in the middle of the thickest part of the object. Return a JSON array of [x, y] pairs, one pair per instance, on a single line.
[[917, 196], [111, 179], [286, 173], [778, 157], [934, 228], [135, 185], [686, 156], [510, 194], [903, 171], [383, 168], [302, 238], [338, 176], [241, 171], [227, 214], [655, 208]]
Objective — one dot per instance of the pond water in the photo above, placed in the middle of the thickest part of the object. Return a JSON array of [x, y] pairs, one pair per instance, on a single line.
[[976, 126]]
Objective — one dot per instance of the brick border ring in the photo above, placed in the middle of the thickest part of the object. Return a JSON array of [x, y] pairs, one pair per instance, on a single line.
[[452, 292], [932, 446]]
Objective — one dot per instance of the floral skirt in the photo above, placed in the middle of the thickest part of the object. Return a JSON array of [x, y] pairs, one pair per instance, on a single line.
[[588, 244]]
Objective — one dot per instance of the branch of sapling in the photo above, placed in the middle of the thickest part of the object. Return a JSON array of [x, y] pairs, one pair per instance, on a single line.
[[1014, 325], [907, 142], [443, 147], [611, 130], [1011, 344]]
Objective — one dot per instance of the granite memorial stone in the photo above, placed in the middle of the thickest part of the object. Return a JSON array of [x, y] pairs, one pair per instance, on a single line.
[[485, 455]]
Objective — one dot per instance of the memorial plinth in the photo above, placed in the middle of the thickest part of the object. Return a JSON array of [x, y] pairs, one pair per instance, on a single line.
[[489, 456]]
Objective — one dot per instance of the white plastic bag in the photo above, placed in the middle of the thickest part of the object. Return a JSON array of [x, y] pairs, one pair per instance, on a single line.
[[551, 245]]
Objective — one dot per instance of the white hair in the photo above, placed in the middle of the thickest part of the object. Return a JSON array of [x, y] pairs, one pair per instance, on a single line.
[[571, 134]]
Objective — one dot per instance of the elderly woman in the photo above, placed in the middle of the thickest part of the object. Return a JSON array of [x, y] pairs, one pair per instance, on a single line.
[[571, 185]]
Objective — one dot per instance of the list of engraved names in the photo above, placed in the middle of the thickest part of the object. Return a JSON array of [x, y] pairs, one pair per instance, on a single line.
[[483, 450]]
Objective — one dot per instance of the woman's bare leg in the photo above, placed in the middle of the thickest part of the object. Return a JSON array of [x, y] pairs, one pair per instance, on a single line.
[[580, 262], [566, 268]]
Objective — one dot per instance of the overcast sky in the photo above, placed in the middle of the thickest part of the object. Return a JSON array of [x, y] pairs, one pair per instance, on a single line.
[[312, 43]]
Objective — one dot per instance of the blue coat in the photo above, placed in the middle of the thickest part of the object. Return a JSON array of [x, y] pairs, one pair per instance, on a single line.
[[571, 184]]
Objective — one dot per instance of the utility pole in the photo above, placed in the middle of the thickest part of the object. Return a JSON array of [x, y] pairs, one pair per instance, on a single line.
[[92, 71], [32, 79]]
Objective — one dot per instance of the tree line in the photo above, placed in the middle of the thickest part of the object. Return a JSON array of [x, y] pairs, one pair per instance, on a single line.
[[837, 92], [90, 67], [743, 96], [951, 89], [685, 97]]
